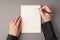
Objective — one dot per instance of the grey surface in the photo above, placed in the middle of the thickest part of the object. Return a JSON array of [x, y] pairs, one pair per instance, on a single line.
[[11, 8]]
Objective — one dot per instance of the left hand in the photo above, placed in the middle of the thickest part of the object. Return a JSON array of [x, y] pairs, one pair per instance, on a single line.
[[15, 26]]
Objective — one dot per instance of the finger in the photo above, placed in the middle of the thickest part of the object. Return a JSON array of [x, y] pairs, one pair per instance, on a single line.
[[41, 12], [19, 21], [46, 8], [16, 19], [12, 20]]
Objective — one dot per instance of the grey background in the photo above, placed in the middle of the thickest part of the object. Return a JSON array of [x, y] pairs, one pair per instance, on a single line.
[[11, 8]]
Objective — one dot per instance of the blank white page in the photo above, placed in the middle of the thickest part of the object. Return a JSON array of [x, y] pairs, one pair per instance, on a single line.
[[31, 20]]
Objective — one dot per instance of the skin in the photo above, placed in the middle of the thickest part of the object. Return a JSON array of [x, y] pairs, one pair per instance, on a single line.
[[15, 24], [45, 16]]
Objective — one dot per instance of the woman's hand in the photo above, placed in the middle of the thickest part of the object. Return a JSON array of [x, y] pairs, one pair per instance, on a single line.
[[45, 16], [15, 26]]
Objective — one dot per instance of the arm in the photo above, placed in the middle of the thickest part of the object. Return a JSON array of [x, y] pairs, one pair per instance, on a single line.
[[47, 27], [15, 29], [48, 31]]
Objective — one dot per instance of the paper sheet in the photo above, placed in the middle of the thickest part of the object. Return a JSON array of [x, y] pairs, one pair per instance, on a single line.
[[31, 20]]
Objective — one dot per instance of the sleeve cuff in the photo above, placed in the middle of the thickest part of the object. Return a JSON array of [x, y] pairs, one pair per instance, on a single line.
[[11, 37], [47, 25]]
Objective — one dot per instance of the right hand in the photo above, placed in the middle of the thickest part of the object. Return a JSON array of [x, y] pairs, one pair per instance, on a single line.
[[45, 16]]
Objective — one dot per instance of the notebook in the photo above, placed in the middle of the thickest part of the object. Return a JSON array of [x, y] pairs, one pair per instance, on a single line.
[[31, 19]]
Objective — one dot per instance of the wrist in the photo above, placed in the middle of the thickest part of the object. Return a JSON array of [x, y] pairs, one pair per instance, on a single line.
[[46, 21], [14, 34]]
